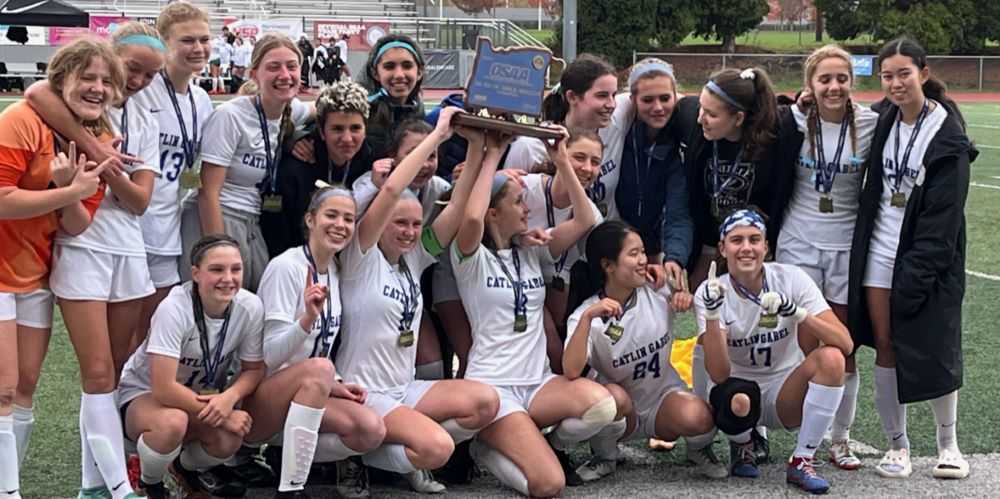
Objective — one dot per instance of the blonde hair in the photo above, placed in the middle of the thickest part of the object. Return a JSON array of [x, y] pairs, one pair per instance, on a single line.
[[830, 51], [265, 44], [71, 60], [341, 96], [248, 87], [178, 12]]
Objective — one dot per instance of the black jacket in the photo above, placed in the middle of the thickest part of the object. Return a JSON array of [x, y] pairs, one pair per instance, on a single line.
[[296, 184], [928, 282], [383, 118]]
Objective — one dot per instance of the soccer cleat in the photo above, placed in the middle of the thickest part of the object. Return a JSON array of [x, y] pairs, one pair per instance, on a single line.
[[94, 493], [572, 479], [742, 462], [423, 481], [133, 469], [706, 463], [951, 464], [256, 469], [205, 483], [460, 468], [800, 473], [895, 464], [153, 490], [291, 494], [761, 447], [596, 468], [842, 457], [352, 479]]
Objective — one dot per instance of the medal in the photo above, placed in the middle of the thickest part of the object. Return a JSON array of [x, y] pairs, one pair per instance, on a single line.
[[272, 203], [208, 391], [558, 283], [768, 321], [825, 204], [898, 200], [614, 332], [191, 179], [405, 338], [321, 346], [520, 323], [190, 144], [211, 360], [603, 208]]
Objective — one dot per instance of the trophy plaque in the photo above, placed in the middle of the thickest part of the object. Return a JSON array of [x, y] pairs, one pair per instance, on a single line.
[[506, 83]]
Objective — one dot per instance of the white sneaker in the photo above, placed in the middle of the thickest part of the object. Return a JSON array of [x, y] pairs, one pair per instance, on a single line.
[[951, 464], [422, 481], [842, 457], [706, 463], [596, 468], [895, 464]]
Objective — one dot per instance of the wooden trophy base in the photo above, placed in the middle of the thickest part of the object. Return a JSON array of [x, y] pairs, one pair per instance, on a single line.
[[513, 128]]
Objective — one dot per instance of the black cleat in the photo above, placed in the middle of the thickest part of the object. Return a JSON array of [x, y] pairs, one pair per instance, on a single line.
[[460, 468], [209, 482], [761, 447], [292, 494], [153, 490], [352, 479]]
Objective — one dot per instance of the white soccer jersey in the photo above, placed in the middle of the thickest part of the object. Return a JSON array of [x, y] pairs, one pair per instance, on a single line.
[[173, 333], [365, 192], [237, 144], [756, 353], [500, 355], [161, 224], [638, 360], [889, 222], [535, 199], [281, 290], [114, 229], [370, 351], [829, 231], [225, 54]]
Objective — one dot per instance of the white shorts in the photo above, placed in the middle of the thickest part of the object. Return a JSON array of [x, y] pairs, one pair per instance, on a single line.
[[517, 398], [163, 270], [645, 417], [829, 269], [385, 402], [769, 402], [31, 309], [878, 271], [85, 274], [443, 283]]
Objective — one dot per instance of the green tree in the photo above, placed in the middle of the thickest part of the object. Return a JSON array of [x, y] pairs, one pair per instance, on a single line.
[[726, 19]]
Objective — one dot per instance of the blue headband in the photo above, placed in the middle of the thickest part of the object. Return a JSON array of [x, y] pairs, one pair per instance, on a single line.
[[718, 91], [643, 69], [146, 40], [395, 45], [742, 218], [499, 180]]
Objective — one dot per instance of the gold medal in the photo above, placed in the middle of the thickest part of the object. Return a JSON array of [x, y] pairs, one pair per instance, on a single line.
[[614, 332], [520, 323], [768, 321], [191, 179], [898, 200], [406, 338], [603, 208], [558, 283], [272, 203], [208, 390], [825, 204]]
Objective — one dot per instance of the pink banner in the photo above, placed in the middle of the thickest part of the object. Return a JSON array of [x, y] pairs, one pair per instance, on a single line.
[[101, 26], [363, 35]]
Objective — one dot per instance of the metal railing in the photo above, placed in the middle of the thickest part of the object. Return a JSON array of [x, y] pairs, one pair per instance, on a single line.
[[968, 72]]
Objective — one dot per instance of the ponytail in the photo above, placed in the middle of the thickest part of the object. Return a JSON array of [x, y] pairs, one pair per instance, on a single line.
[[936, 89], [605, 242], [751, 92], [584, 282]]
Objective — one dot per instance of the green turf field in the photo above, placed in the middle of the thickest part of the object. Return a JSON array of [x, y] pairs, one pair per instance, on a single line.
[[52, 466]]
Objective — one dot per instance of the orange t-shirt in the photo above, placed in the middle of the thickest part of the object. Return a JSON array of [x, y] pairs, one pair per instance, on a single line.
[[27, 147]]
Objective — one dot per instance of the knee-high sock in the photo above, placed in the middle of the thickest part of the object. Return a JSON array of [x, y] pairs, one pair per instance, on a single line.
[[739, 438], [499, 466], [330, 448], [24, 421], [431, 371], [104, 436], [605, 443], [300, 434], [195, 458], [574, 430], [153, 464], [818, 408], [90, 476], [390, 457], [890, 411], [945, 409], [695, 442], [699, 376], [844, 418], [9, 474], [458, 432]]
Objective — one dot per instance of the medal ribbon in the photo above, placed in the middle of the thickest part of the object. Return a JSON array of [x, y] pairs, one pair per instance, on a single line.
[[270, 183], [326, 315], [190, 146], [826, 172], [520, 298], [211, 359], [899, 169]]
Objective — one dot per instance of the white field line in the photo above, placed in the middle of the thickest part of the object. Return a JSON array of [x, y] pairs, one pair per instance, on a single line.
[[990, 277], [984, 146], [985, 186]]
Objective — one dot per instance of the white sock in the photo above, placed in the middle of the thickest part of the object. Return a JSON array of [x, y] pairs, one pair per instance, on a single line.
[[696, 442], [945, 409], [24, 421], [106, 441], [8, 457], [90, 476], [458, 432], [500, 466], [152, 463], [300, 434], [331, 448], [890, 411], [390, 457], [844, 418], [699, 376], [739, 438], [431, 371], [194, 458], [605, 443], [762, 430], [572, 431], [818, 408]]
